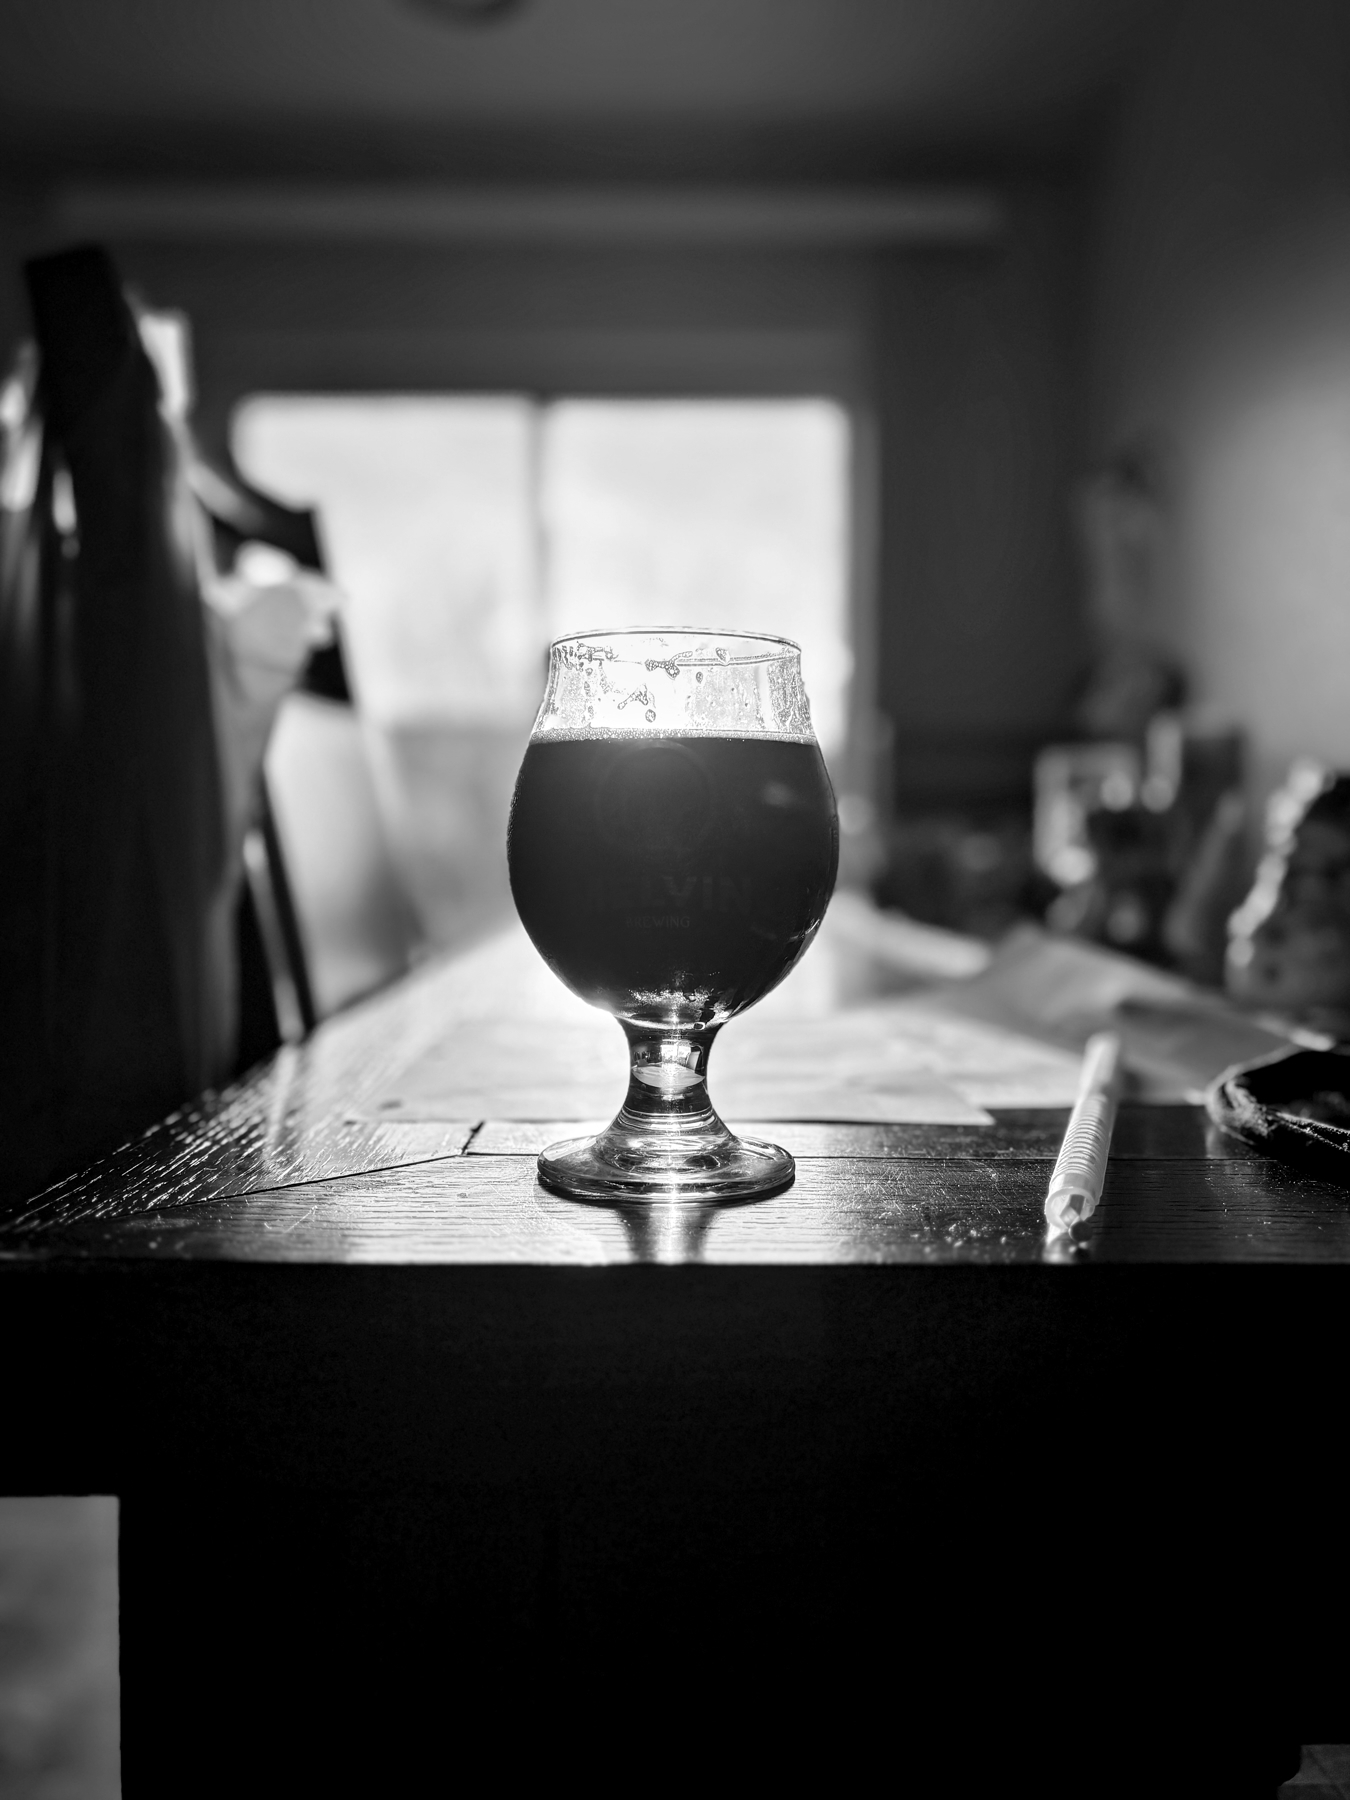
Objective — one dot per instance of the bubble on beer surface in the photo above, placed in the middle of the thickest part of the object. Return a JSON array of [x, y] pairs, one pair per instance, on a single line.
[[740, 686]]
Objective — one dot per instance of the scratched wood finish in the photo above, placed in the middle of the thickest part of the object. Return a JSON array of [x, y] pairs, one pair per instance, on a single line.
[[928, 1206], [290, 1166], [296, 1118], [265, 1134]]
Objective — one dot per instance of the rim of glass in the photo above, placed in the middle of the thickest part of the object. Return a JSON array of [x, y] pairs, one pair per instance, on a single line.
[[688, 631]]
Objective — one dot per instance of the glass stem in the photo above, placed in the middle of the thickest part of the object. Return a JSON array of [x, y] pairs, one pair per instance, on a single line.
[[667, 1079]]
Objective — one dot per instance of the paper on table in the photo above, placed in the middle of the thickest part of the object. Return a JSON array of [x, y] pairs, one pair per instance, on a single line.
[[512, 1043], [892, 1048], [1177, 1037], [517, 1070]]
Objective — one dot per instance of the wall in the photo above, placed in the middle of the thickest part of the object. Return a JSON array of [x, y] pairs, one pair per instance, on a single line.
[[543, 320], [958, 364], [20, 227], [1221, 327], [981, 641]]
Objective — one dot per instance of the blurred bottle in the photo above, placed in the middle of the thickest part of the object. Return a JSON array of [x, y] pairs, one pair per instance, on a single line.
[[1195, 926], [1146, 844]]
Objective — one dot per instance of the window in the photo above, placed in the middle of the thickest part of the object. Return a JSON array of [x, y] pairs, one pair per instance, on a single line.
[[466, 531], [426, 513], [697, 512]]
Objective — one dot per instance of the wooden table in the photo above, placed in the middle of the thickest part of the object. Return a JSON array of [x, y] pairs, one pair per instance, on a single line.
[[379, 1371]]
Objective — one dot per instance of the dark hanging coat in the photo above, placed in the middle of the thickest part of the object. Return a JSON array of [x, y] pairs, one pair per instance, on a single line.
[[115, 914]]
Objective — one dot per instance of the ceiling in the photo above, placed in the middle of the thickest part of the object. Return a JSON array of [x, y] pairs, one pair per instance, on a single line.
[[567, 87]]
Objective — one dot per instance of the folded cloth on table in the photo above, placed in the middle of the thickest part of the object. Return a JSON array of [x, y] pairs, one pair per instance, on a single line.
[[1294, 1105]]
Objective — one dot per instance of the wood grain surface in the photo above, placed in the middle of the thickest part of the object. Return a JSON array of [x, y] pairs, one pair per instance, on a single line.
[[919, 1203], [294, 1165]]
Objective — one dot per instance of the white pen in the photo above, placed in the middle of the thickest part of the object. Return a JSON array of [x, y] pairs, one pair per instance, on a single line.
[[1080, 1168]]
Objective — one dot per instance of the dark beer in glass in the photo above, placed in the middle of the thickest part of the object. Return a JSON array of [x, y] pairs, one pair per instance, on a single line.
[[673, 846]]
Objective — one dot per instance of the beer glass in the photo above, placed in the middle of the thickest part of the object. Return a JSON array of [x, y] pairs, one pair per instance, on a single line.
[[673, 845]]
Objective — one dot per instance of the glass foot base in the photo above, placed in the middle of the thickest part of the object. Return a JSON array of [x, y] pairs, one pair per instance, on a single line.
[[623, 1164]]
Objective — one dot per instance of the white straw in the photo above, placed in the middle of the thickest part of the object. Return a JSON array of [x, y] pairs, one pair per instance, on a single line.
[[1080, 1168]]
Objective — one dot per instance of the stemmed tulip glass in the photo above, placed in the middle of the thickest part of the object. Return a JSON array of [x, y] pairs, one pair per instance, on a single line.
[[673, 845]]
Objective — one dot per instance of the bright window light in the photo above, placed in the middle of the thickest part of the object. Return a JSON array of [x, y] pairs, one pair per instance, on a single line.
[[426, 508], [730, 514], [435, 510], [466, 531]]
